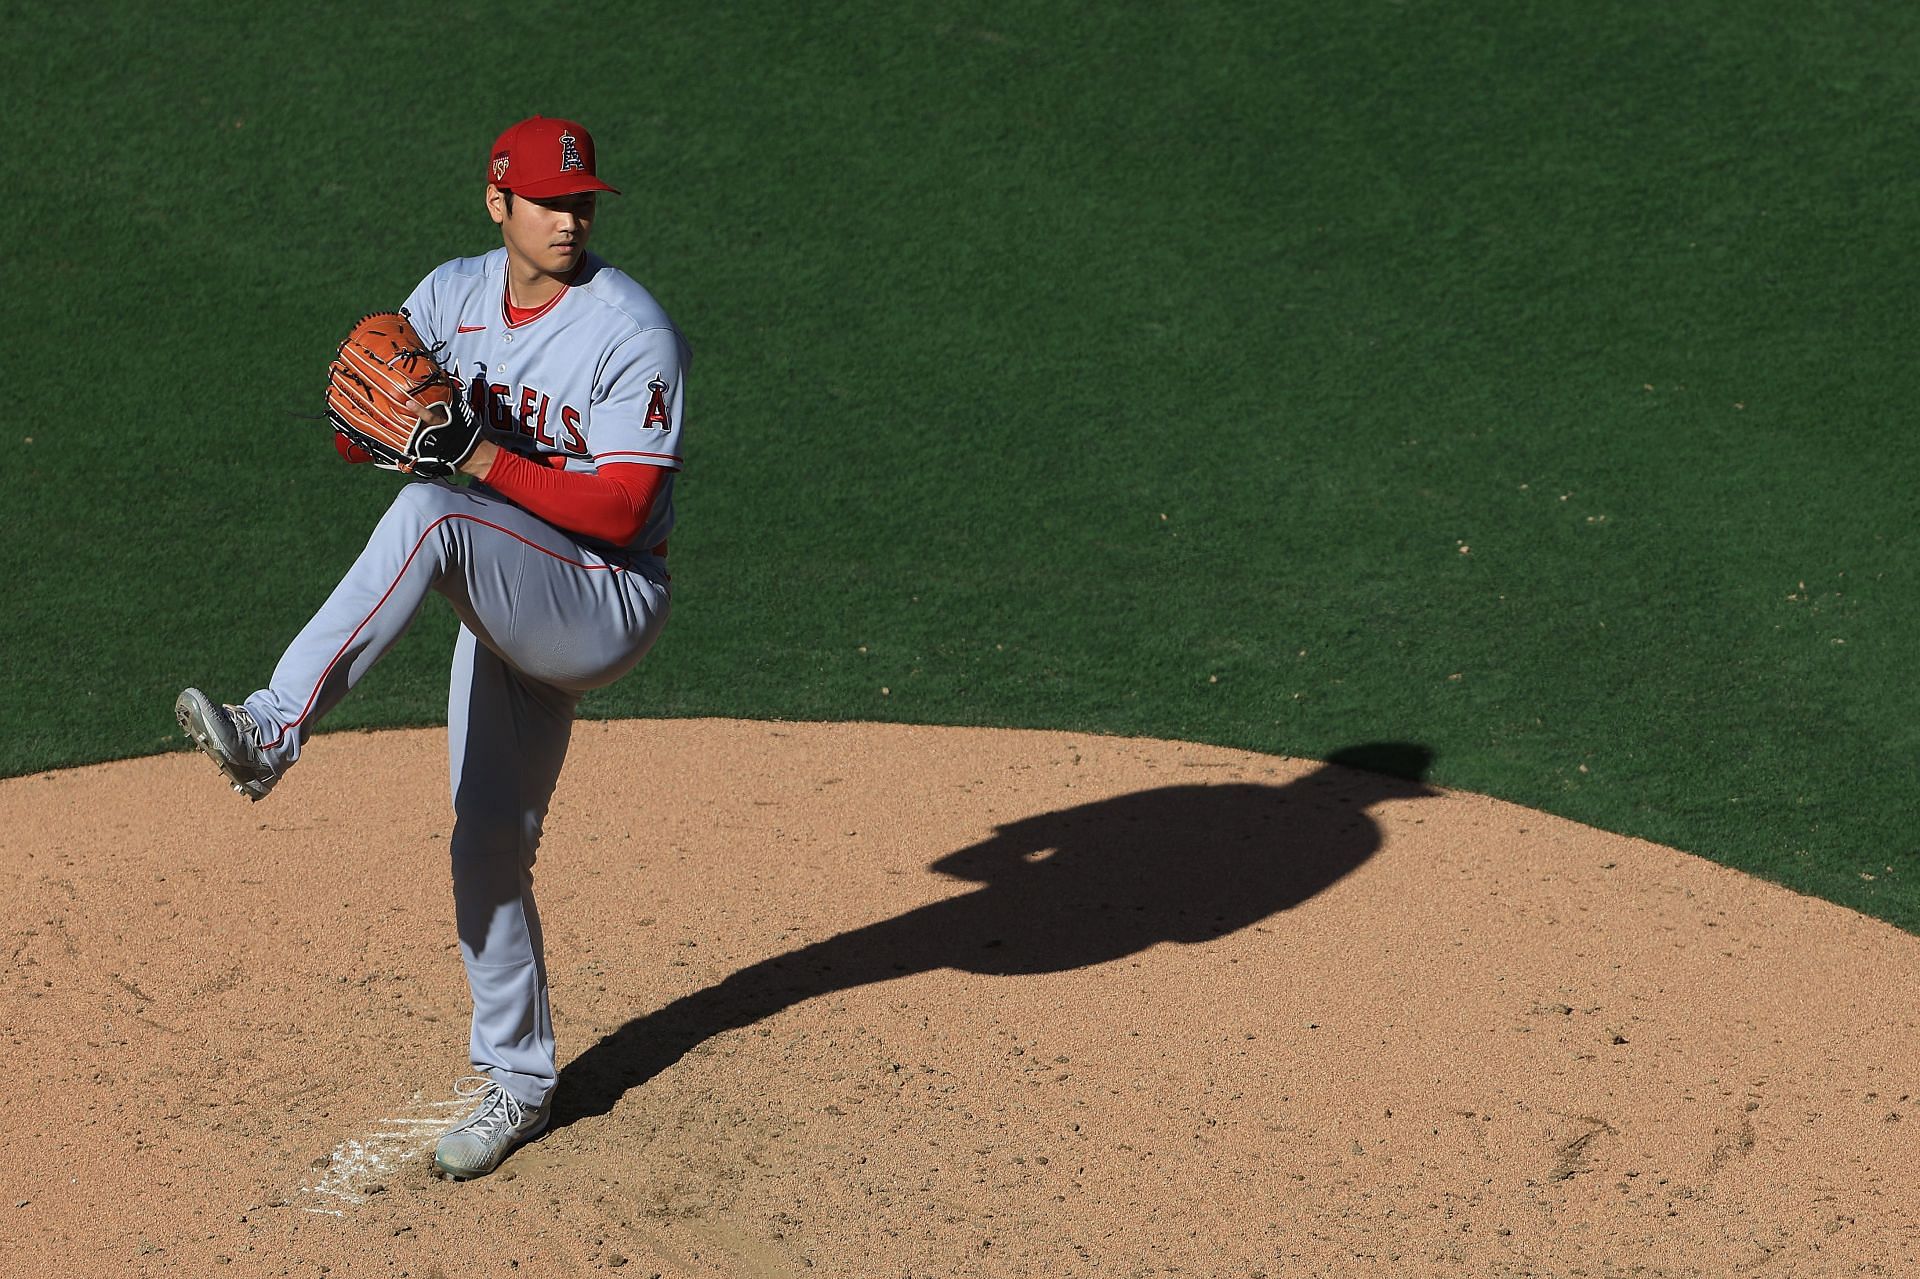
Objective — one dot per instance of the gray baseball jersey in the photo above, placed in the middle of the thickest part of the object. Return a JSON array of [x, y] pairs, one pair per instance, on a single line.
[[595, 377]]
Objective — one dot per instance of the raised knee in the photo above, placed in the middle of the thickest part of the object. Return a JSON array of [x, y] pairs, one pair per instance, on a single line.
[[427, 499], [418, 507]]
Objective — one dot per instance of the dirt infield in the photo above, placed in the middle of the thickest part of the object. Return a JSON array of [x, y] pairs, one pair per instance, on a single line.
[[859, 1000]]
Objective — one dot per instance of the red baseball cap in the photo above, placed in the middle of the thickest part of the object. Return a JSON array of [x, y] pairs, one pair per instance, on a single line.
[[540, 158]]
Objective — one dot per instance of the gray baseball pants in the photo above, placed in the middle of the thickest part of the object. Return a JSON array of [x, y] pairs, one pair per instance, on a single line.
[[543, 618]]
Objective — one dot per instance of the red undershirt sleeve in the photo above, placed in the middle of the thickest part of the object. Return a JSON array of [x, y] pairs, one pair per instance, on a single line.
[[610, 505]]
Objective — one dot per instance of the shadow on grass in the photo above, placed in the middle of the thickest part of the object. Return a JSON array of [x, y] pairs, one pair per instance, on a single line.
[[1058, 891]]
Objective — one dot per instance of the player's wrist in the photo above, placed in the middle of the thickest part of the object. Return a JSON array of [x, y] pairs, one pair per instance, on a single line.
[[481, 460]]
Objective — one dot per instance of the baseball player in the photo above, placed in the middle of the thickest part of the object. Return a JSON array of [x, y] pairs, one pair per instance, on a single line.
[[553, 557]]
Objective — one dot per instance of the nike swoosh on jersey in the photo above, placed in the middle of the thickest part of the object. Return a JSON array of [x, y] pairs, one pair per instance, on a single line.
[[470, 328]]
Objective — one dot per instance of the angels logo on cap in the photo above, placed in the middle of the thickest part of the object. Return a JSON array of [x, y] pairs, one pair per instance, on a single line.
[[539, 158]]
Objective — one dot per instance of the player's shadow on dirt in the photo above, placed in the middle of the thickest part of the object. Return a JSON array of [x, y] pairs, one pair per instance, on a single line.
[[1062, 890]]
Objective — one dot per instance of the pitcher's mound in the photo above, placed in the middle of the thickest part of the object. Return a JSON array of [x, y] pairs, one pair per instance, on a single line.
[[864, 1000]]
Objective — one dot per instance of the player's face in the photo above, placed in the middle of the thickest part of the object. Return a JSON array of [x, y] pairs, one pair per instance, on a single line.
[[549, 235]]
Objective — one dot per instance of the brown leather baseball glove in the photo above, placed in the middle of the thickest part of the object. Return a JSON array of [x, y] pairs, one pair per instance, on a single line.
[[388, 395]]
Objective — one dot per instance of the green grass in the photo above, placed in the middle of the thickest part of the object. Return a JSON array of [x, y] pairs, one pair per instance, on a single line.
[[1529, 381]]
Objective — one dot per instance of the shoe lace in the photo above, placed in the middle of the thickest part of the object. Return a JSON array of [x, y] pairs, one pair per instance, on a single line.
[[243, 720], [498, 1107]]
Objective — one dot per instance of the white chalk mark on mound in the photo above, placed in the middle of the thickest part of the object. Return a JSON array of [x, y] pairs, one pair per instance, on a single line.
[[359, 1162]]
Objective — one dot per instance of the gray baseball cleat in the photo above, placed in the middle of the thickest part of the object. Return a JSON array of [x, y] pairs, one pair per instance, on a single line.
[[229, 735], [475, 1146]]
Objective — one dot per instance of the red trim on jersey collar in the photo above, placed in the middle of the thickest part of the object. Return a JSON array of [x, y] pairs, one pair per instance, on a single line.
[[516, 316]]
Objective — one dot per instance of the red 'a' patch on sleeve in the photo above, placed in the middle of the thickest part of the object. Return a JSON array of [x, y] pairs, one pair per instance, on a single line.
[[657, 406]]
